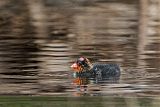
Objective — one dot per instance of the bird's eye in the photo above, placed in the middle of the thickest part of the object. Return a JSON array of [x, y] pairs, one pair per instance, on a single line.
[[80, 63]]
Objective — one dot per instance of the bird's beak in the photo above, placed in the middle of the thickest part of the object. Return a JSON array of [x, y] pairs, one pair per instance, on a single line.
[[76, 67]]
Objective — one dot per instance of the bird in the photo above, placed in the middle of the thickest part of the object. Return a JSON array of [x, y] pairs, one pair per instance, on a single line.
[[83, 68]]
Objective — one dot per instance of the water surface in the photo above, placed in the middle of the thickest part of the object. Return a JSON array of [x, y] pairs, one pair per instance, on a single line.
[[40, 40]]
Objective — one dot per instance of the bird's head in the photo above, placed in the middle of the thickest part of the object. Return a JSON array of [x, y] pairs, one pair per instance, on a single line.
[[82, 64]]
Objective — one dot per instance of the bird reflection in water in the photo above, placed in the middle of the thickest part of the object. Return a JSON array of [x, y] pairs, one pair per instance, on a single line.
[[82, 86]]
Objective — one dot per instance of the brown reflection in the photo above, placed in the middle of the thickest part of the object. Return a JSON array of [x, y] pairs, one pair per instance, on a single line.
[[143, 27], [19, 68], [106, 34], [148, 38], [40, 38]]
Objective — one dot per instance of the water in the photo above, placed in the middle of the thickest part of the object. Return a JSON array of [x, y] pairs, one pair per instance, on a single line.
[[40, 40]]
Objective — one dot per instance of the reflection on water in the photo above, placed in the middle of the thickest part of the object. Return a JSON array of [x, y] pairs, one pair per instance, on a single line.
[[39, 40]]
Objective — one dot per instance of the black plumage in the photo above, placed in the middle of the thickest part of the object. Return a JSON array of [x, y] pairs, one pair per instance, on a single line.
[[101, 71], [106, 70], [97, 71]]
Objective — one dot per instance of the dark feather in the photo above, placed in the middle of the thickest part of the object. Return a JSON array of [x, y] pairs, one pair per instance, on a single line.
[[101, 72]]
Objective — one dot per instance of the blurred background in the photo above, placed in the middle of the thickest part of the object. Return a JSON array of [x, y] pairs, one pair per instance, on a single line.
[[40, 39]]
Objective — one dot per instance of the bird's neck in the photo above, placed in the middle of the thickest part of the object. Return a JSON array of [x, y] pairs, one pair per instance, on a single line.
[[90, 66]]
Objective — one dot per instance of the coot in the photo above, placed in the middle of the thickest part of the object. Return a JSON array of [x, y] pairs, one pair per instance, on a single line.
[[85, 69]]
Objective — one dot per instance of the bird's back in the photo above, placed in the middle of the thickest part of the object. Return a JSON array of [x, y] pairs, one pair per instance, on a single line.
[[106, 70]]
